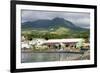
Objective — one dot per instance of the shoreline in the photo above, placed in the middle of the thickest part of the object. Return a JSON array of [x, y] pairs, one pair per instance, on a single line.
[[77, 52], [81, 51]]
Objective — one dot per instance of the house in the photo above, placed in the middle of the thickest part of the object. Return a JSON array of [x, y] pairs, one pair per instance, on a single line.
[[25, 44], [37, 41]]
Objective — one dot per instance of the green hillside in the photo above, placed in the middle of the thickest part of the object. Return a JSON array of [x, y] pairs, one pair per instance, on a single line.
[[57, 33]]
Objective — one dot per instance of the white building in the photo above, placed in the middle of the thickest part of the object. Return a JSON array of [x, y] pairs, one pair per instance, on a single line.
[[28, 44], [25, 45], [37, 41], [64, 40]]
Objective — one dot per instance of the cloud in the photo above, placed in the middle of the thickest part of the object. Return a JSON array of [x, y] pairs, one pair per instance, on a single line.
[[79, 19]]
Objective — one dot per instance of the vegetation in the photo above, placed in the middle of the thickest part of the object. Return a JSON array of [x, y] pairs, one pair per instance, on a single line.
[[57, 33]]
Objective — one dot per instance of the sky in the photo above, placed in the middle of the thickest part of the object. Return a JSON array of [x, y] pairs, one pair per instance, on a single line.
[[78, 18]]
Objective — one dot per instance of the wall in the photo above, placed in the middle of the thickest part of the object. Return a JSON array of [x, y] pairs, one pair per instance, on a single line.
[[5, 36]]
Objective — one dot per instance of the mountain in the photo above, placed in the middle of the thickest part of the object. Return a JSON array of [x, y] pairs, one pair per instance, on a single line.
[[48, 24]]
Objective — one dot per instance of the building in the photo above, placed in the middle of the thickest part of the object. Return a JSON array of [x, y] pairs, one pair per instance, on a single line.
[[61, 43], [54, 43]]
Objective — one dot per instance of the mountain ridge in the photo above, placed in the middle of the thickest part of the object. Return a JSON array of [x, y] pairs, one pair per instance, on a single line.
[[54, 23]]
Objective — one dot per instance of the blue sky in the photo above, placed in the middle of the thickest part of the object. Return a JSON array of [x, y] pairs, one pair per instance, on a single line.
[[80, 19]]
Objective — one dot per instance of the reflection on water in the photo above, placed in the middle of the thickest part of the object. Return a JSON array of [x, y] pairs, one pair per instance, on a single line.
[[43, 57]]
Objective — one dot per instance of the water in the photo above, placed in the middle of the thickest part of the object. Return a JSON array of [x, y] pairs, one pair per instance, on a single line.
[[45, 57]]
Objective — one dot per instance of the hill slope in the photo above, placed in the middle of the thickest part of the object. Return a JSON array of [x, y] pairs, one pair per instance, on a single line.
[[48, 24]]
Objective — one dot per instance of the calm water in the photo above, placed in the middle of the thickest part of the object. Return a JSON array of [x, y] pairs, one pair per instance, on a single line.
[[44, 57]]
